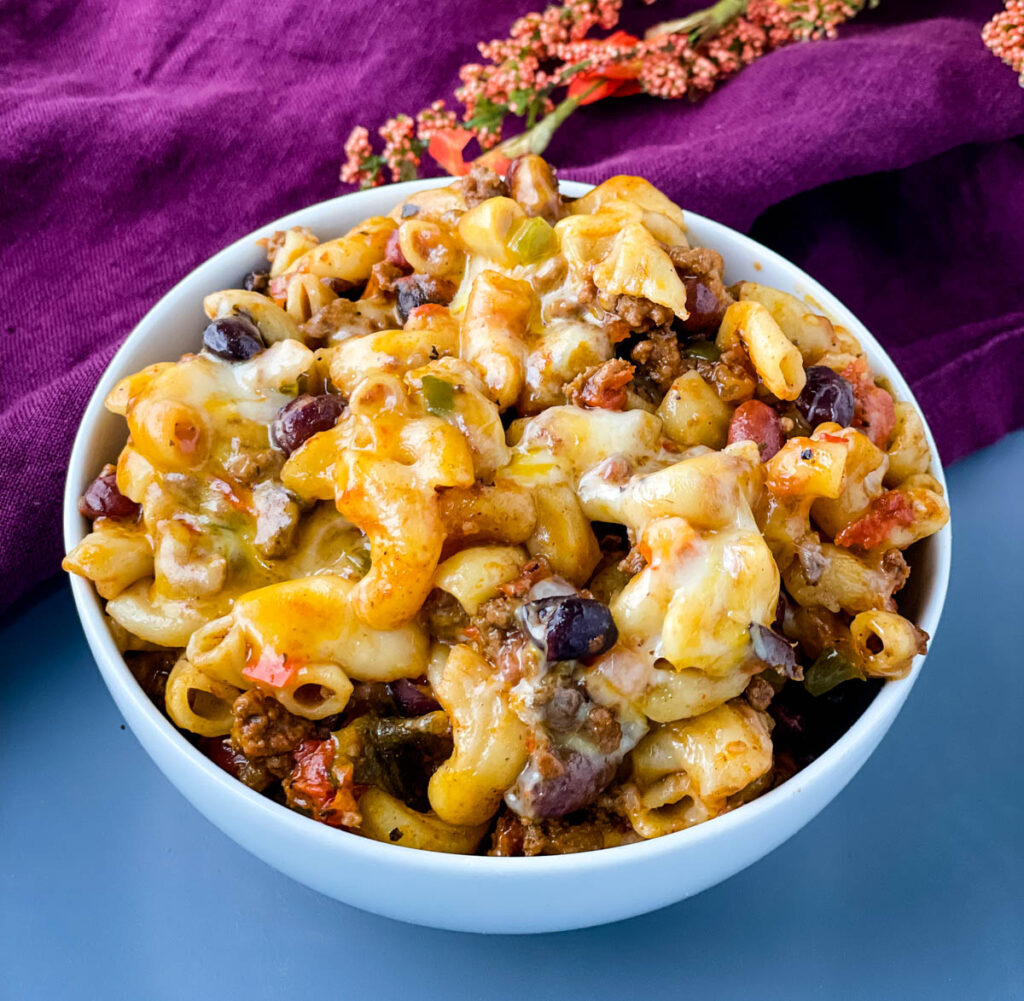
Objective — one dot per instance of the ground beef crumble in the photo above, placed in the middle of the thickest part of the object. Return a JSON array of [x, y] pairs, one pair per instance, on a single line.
[[263, 727], [341, 319], [480, 184], [658, 358], [597, 828], [633, 562], [639, 314], [495, 619], [759, 693], [601, 386], [602, 729]]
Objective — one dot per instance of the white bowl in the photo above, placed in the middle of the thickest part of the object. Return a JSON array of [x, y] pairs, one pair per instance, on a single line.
[[451, 891]]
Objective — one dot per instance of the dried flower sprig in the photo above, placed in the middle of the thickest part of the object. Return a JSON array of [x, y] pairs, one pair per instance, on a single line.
[[1004, 35], [549, 51]]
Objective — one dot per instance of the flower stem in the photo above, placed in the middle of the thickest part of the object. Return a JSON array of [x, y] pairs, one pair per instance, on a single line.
[[700, 23], [536, 139]]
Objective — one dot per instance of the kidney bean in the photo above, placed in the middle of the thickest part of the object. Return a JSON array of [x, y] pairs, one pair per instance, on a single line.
[[826, 396], [102, 499], [570, 627], [702, 305], [559, 780], [757, 422], [302, 418], [393, 252], [235, 338]]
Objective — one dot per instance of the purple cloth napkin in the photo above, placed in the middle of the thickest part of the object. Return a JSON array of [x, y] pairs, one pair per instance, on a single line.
[[136, 140]]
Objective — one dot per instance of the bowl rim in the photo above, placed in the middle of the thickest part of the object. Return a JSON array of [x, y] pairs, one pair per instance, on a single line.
[[128, 694]]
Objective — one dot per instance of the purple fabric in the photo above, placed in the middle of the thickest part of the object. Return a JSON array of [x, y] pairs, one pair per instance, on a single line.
[[137, 139]]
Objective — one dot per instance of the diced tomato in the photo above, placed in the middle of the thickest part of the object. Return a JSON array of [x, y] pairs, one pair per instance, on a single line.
[[271, 669], [428, 309], [322, 787], [890, 511], [231, 494], [874, 411], [605, 388], [757, 422]]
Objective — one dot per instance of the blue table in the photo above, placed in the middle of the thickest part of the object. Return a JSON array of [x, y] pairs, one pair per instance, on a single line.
[[911, 885]]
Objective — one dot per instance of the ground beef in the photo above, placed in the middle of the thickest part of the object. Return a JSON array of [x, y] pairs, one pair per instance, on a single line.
[[339, 320], [658, 359], [383, 276], [480, 184], [894, 566], [562, 710], [705, 264], [256, 773], [639, 314], [490, 627], [633, 562], [584, 832], [759, 693], [263, 727], [601, 386], [534, 571], [602, 729], [495, 628]]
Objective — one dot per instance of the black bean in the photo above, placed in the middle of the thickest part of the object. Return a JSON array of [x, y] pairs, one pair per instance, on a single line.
[[302, 418], [102, 499], [418, 290], [235, 338], [826, 396], [413, 698], [570, 627], [257, 281]]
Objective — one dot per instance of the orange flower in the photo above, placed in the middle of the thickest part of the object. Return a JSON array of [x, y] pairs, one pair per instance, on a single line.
[[446, 146], [614, 80]]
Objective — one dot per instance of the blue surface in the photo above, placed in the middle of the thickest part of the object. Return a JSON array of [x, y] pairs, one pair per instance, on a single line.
[[911, 885]]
